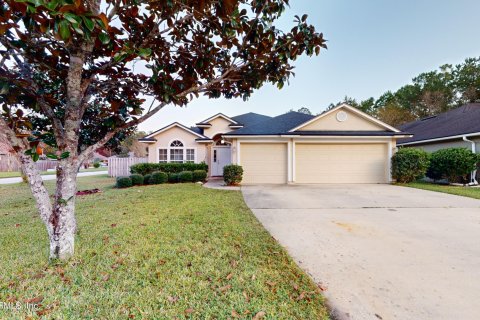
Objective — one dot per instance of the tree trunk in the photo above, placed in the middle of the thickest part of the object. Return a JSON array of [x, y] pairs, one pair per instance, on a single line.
[[59, 218], [62, 220]]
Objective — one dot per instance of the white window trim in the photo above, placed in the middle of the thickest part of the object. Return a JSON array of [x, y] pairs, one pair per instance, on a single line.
[[184, 148]]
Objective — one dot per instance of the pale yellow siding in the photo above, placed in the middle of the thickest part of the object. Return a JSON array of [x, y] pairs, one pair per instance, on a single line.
[[175, 133], [219, 125], [354, 122], [341, 163], [264, 163]]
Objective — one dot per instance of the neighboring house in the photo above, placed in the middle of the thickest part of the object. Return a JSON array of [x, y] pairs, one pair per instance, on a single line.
[[453, 129], [342, 145]]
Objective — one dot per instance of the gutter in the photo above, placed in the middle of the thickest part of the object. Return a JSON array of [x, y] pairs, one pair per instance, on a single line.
[[473, 175]]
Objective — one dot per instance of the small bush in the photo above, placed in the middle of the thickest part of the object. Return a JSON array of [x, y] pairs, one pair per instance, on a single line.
[[199, 175], [146, 178], [147, 168], [452, 164], [158, 177], [137, 179], [124, 182], [409, 164], [232, 174], [185, 176], [96, 165], [173, 177]]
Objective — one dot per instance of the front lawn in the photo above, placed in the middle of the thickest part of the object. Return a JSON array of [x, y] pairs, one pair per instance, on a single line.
[[154, 252], [456, 190]]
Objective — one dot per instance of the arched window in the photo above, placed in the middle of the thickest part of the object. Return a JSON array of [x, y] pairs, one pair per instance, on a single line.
[[176, 144]]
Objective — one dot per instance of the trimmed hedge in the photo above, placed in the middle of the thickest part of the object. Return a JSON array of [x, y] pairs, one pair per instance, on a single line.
[[148, 168], [199, 175], [409, 164], [185, 176], [123, 182], [137, 179], [173, 177], [232, 174], [96, 165], [452, 164], [158, 177], [146, 178]]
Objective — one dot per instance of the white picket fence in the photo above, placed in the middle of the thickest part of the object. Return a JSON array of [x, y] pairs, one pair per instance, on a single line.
[[120, 167], [9, 163]]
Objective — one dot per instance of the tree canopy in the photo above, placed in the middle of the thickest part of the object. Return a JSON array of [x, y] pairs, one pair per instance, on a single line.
[[76, 74], [430, 93]]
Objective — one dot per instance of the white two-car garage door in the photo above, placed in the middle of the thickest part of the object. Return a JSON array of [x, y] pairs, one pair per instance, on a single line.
[[264, 162], [341, 163]]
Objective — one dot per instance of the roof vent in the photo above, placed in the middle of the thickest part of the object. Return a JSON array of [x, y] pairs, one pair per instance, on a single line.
[[342, 116]]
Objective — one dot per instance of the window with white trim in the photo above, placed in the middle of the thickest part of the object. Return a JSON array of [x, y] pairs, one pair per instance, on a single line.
[[190, 155], [176, 144], [176, 151], [162, 155]]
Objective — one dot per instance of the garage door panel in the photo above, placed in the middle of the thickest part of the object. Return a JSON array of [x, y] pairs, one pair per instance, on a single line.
[[341, 163], [264, 163]]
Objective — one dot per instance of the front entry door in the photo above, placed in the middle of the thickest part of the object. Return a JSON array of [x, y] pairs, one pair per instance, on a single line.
[[220, 158]]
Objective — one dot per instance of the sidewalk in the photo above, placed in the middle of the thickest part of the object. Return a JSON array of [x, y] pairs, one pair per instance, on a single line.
[[52, 177]]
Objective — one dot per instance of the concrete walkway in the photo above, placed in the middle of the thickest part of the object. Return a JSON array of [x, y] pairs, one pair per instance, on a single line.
[[51, 177], [380, 251], [219, 184]]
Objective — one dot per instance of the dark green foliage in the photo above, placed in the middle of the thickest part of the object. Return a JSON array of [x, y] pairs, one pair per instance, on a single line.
[[232, 174], [124, 182], [158, 177], [96, 165], [185, 176], [452, 164], [146, 168], [409, 164], [146, 178], [137, 179], [199, 175], [173, 177]]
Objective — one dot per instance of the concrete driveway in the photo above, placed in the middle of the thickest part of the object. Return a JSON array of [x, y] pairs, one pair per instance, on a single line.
[[380, 251]]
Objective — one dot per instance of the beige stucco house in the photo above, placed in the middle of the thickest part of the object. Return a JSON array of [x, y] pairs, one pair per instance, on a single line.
[[342, 145]]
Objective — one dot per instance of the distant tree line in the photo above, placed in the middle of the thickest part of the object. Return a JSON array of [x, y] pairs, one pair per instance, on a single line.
[[429, 94]]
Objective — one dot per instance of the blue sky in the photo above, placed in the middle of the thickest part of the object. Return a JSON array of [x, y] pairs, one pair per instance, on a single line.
[[374, 46]]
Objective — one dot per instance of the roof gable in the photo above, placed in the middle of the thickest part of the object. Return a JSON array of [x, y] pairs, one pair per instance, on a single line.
[[344, 118], [218, 115], [151, 136]]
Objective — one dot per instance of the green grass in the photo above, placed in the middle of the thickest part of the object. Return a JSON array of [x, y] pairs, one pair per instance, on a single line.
[[156, 252], [17, 174], [456, 190]]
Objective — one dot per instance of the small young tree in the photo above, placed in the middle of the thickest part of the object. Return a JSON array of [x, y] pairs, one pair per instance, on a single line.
[[74, 74]]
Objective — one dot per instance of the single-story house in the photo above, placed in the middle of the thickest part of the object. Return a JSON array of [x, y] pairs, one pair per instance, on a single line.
[[457, 128], [342, 145]]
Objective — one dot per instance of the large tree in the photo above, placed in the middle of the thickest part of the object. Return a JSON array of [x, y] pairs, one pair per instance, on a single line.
[[70, 66]]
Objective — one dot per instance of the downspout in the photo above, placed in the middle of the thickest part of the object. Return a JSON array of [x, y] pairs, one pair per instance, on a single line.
[[473, 176]]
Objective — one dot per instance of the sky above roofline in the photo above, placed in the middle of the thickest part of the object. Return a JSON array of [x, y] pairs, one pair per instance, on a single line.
[[374, 46]]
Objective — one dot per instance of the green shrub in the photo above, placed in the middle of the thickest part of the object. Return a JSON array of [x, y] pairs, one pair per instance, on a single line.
[[409, 164], [96, 165], [158, 177], [199, 175], [146, 168], [232, 174], [146, 178], [173, 177], [124, 182], [452, 164], [137, 179], [185, 176]]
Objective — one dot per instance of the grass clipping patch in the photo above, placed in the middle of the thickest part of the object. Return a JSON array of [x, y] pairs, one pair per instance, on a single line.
[[165, 251]]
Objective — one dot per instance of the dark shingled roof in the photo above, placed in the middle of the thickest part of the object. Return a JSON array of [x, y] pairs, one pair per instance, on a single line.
[[251, 118], [463, 120], [274, 126]]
